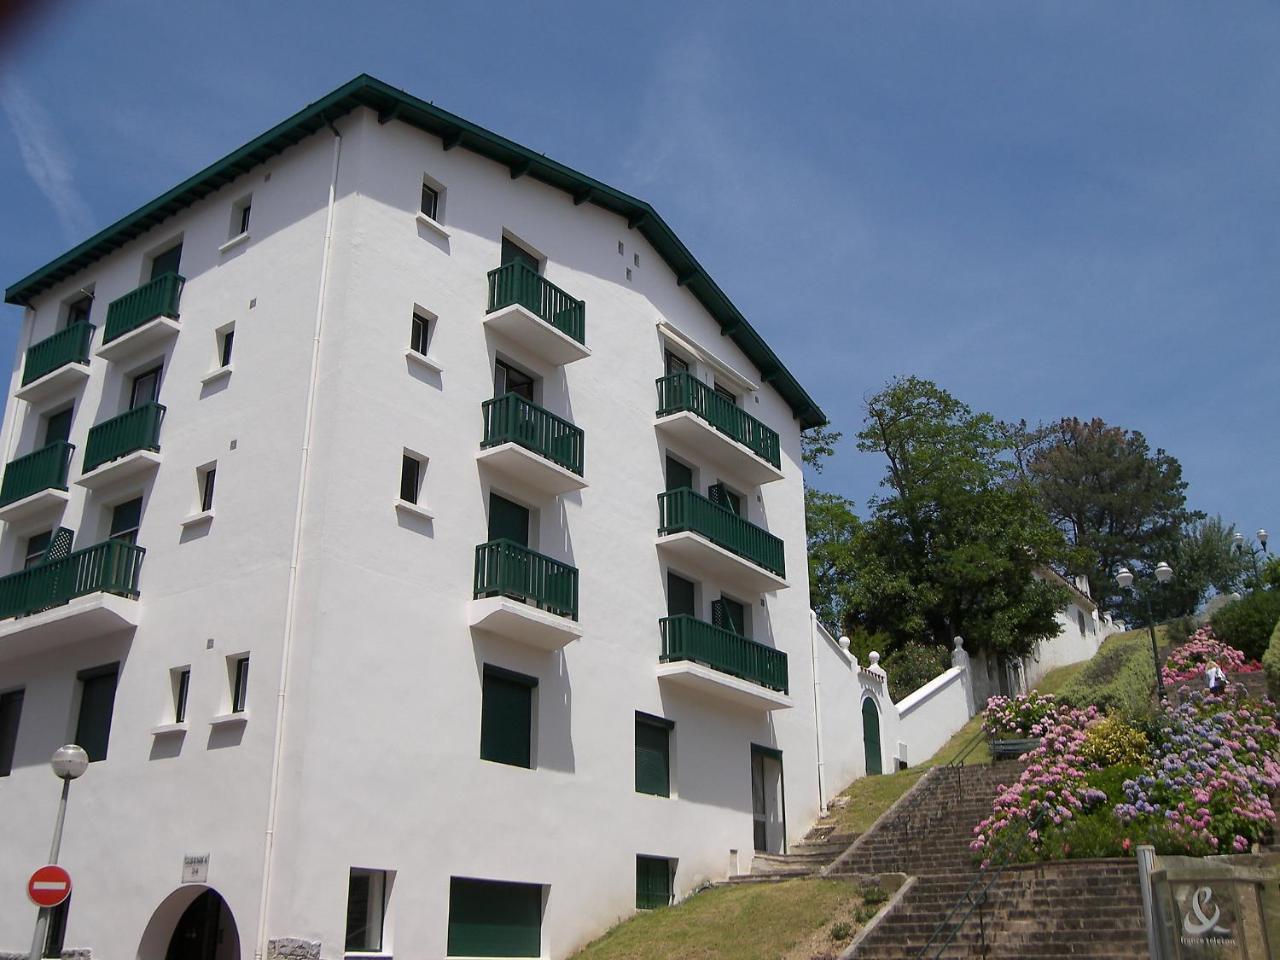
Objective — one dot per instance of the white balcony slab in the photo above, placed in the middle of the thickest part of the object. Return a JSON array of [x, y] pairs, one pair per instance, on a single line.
[[152, 335], [703, 680], [695, 554], [39, 504], [82, 619], [522, 622], [129, 467], [531, 332], [64, 381], [732, 458], [530, 472]]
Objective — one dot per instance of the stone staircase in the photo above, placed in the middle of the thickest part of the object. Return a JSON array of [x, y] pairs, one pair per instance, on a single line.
[[817, 850]]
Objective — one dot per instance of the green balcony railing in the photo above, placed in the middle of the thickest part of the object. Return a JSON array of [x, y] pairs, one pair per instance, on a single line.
[[108, 567], [159, 298], [518, 283], [688, 638], [66, 346], [513, 419], [45, 469], [681, 510], [504, 568], [136, 429], [683, 391]]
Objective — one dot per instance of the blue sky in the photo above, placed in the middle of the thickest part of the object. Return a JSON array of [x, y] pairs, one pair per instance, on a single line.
[[1049, 208]]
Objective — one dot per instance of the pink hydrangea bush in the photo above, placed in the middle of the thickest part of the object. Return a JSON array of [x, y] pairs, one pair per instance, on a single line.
[[1192, 658], [1017, 718]]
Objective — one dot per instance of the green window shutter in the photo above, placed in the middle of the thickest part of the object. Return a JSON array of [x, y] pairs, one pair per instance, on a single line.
[[678, 475], [166, 262], [508, 521], [488, 918], [512, 251], [97, 700], [653, 755], [57, 429], [680, 596], [506, 717], [653, 882], [729, 615]]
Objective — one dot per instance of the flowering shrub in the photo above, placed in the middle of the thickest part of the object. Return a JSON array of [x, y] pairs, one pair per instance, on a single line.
[[1192, 658], [1209, 787], [1113, 741], [1017, 718]]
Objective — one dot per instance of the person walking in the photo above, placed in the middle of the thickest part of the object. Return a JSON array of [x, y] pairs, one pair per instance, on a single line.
[[1215, 679]]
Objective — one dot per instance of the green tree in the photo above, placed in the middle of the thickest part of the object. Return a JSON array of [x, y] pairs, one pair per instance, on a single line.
[[952, 543], [1204, 562], [1117, 501]]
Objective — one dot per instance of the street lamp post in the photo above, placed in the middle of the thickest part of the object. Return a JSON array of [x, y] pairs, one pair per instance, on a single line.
[[69, 763], [1238, 542], [1164, 573]]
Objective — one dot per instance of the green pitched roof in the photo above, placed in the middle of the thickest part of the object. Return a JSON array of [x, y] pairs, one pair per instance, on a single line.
[[393, 104]]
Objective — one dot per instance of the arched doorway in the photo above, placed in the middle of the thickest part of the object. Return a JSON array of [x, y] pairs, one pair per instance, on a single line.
[[871, 737], [192, 923]]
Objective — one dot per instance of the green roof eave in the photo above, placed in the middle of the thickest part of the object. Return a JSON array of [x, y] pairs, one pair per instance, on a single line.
[[393, 104]]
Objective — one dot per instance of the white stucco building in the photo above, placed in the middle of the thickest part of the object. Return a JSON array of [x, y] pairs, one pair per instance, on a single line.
[[387, 591]]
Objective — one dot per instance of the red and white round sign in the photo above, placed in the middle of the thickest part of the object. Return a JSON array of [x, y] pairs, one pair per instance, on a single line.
[[49, 886]]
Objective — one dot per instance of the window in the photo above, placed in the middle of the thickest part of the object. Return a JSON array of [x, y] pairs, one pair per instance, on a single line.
[[97, 699], [430, 201], [56, 932], [239, 683], [674, 364], [10, 715], [512, 251], [126, 518], [731, 615], [679, 475], [181, 687], [226, 339], [506, 717], [241, 210], [166, 262], [145, 388], [420, 331], [411, 470], [57, 426], [718, 493], [681, 598], [489, 918], [366, 908], [205, 478], [653, 755], [78, 310], [508, 379], [653, 882], [37, 544], [727, 394], [1080, 621]]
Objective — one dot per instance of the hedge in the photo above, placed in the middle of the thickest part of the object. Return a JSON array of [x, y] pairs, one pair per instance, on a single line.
[[1121, 676], [1271, 662], [1246, 624]]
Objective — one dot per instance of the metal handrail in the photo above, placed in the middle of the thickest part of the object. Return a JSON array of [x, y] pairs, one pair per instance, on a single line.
[[956, 763]]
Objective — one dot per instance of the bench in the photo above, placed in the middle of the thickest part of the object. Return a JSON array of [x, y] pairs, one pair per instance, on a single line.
[[1012, 749]]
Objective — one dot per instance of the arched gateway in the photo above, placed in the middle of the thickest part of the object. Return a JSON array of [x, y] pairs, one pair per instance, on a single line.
[[192, 923]]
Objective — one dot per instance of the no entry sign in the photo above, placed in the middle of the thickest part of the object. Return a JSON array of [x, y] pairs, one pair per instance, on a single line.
[[49, 886]]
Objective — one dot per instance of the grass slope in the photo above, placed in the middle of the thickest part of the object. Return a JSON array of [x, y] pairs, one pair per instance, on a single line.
[[791, 920]]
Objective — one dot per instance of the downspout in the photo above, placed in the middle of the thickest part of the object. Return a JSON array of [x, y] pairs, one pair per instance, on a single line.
[[817, 707], [291, 599]]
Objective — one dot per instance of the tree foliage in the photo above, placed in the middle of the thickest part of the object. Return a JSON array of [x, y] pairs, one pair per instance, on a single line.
[[1204, 562], [1115, 499]]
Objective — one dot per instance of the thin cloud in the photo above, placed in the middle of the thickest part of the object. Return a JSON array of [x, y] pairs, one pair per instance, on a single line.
[[46, 158]]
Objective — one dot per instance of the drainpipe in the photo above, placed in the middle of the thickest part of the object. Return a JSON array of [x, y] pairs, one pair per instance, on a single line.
[[817, 707], [291, 600]]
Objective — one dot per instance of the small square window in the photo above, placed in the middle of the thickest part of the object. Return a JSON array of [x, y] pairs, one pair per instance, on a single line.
[[241, 211], [412, 470], [635, 259], [181, 678], [621, 248], [239, 682], [628, 273], [420, 331], [430, 206], [366, 910]]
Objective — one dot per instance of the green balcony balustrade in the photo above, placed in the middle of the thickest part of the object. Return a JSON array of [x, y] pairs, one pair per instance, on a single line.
[[688, 638], [513, 419], [108, 567], [504, 568], [518, 283], [159, 298], [683, 391], [681, 510], [66, 346], [45, 469], [136, 429]]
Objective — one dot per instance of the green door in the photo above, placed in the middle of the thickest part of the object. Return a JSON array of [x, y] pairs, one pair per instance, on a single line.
[[506, 717], [871, 737], [57, 428], [167, 262], [653, 882], [508, 521], [680, 596], [768, 806], [678, 475]]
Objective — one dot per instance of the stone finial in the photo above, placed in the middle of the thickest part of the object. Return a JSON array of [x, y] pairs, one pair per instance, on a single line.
[[874, 665], [959, 656], [844, 644]]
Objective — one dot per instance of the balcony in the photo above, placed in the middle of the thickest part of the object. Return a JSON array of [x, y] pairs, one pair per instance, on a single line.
[[56, 364], [35, 483], [84, 594], [530, 447], [536, 314], [708, 538], [123, 447], [693, 414], [143, 319], [524, 596], [719, 663]]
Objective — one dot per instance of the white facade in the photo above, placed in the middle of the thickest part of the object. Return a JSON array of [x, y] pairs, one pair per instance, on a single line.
[[359, 743]]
